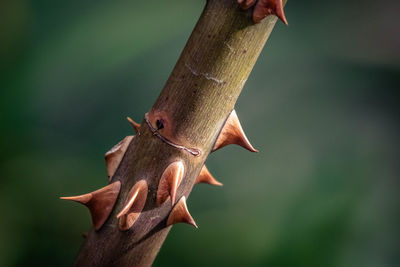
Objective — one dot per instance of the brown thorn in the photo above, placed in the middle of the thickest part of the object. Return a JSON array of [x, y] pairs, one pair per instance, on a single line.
[[169, 182], [100, 202], [115, 154], [129, 204], [83, 199], [263, 8], [134, 205], [232, 133], [135, 125], [180, 214], [206, 177]]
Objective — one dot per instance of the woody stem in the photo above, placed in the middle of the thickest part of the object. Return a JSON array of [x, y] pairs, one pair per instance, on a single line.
[[198, 96]]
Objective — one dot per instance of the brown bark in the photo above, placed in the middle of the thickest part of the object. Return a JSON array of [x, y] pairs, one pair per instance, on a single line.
[[191, 110]]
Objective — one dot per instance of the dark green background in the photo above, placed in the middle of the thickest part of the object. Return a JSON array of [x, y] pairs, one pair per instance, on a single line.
[[321, 104]]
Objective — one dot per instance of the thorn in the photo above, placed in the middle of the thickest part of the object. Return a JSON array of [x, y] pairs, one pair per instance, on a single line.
[[114, 156], [263, 8], [135, 125], [232, 133], [100, 202], [206, 177], [83, 199], [134, 205], [169, 182], [180, 213], [131, 200]]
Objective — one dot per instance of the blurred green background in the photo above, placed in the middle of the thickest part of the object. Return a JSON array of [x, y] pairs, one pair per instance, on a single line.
[[322, 105]]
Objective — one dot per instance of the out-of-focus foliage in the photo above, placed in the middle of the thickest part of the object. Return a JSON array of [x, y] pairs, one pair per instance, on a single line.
[[322, 105]]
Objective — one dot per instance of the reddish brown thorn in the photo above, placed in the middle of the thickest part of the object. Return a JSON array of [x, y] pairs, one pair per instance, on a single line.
[[263, 8], [169, 182], [100, 202], [135, 125], [134, 205], [130, 200], [180, 214], [232, 133], [114, 156], [206, 177]]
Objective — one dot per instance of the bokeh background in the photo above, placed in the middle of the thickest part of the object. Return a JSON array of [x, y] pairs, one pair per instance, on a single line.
[[322, 105]]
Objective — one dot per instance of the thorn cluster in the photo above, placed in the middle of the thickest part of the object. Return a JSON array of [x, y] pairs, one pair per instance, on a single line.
[[102, 201]]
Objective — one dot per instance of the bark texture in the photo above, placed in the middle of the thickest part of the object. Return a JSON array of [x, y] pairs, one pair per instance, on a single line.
[[192, 108]]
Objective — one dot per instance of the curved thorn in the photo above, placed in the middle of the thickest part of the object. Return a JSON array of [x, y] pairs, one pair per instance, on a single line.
[[169, 182], [206, 177], [83, 199], [100, 202], [232, 133], [114, 156], [264, 8], [134, 205], [135, 125], [180, 213], [129, 204]]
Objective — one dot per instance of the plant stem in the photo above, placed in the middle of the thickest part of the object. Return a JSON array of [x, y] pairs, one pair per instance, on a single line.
[[198, 97]]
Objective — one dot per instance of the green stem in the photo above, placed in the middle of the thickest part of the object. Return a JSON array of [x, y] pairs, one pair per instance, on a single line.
[[197, 98]]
